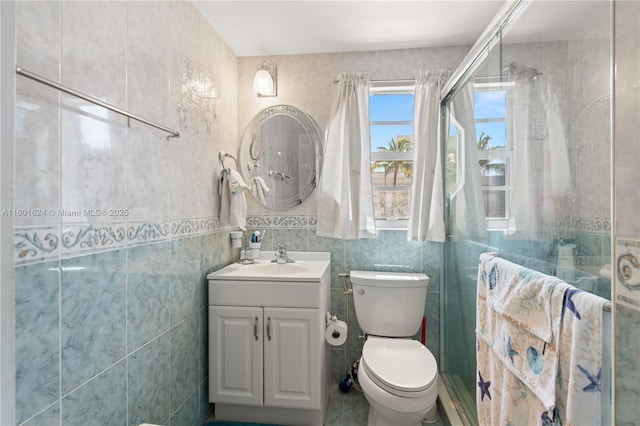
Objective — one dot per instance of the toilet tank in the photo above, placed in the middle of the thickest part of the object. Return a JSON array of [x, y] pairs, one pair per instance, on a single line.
[[389, 303]]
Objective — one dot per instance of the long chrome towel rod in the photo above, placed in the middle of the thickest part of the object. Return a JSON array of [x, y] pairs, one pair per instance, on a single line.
[[94, 100]]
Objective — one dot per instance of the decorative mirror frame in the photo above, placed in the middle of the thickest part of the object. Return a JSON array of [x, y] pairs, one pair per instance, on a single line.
[[249, 157]]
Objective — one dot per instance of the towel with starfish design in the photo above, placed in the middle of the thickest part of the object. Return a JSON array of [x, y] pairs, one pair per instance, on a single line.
[[519, 315], [579, 384]]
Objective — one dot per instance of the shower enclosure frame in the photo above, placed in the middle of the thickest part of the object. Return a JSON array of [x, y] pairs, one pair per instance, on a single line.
[[492, 36]]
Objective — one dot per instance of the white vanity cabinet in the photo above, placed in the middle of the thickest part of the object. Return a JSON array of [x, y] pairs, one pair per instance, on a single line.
[[265, 356], [268, 359]]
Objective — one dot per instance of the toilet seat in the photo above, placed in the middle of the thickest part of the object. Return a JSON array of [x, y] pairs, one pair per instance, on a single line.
[[402, 367]]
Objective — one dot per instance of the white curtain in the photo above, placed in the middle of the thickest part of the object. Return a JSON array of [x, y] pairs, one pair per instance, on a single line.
[[426, 219], [542, 177], [466, 202], [345, 201]]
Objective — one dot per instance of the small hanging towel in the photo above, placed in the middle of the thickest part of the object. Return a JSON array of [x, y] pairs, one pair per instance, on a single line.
[[233, 205]]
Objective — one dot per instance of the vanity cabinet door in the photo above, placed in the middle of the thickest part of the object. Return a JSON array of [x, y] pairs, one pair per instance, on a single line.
[[292, 344], [235, 355]]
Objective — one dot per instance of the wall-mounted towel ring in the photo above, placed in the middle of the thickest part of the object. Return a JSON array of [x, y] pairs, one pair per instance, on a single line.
[[629, 271], [222, 155]]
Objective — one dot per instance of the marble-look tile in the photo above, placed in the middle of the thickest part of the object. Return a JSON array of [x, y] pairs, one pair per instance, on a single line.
[[102, 401], [37, 345], [37, 153], [149, 383], [292, 239], [358, 409], [185, 361], [93, 315], [93, 40], [336, 248], [400, 255], [364, 254], [148, 181], [335, 408], [205, 407], [627, 335], [148, 65], [49, 417], [216, 251], [148, 283], [188, 414], [93, 150], [37, 147], [186, 291]]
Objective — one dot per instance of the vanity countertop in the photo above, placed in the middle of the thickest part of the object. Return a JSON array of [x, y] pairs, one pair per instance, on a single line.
[[308, 266]]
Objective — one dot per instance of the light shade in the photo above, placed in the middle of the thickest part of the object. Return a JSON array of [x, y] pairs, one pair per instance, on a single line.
[[264, 82]]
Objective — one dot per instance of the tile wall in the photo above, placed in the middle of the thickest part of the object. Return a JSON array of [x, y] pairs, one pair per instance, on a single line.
[[626, 205], [116, 226]]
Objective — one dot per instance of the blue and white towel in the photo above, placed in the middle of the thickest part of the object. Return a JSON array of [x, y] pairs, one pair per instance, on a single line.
[[535, 331], [579, 385], [519, 314]]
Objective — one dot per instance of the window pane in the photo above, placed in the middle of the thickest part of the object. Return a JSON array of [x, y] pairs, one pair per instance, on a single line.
[[381, 136], [391, 107], [391, 204], [391, 172], [493, 171], [497, 133], [490, 104], [494, 204]]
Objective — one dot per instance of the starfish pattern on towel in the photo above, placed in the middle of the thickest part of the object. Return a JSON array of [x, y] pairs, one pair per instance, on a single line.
[[567, 303], [594, 386], [510, 351], [484, 387]]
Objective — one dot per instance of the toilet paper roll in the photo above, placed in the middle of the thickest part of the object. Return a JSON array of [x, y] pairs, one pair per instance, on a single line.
[[336, 333]]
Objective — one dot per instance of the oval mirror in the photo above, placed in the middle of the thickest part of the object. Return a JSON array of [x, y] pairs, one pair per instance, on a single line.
[[280, 156]]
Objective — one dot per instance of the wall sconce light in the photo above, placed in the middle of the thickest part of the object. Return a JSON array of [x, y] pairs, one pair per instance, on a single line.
[[265, 82]]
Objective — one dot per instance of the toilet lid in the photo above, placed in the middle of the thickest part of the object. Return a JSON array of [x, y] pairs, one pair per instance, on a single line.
[[400, 364]]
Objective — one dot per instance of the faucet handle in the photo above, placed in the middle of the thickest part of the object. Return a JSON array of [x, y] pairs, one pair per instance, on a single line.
[[281, 249]]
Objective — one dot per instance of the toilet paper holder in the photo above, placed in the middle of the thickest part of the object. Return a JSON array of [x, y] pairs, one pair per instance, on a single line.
[[335, 330]]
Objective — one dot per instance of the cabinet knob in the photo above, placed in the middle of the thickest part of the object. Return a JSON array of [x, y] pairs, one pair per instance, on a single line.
[[361, 291]]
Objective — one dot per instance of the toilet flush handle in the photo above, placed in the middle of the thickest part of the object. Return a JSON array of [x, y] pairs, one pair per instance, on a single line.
[[360, 291]]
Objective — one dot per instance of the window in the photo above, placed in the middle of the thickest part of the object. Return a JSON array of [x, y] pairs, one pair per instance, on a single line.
[[391, 129], [492, 112]]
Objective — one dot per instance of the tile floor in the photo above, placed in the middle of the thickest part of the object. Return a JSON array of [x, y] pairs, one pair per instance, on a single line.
[[346, 409]]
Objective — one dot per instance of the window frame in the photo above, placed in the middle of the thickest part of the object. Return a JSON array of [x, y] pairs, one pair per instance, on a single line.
[[391, 88], [507, 154]]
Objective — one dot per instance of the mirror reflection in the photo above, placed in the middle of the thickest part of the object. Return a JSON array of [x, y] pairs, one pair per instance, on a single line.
[[280, 156]]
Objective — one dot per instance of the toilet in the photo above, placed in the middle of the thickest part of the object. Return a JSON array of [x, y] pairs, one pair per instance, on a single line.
[[398, 375]]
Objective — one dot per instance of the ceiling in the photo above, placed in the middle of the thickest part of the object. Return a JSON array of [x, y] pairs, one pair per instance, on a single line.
[[261, 28]]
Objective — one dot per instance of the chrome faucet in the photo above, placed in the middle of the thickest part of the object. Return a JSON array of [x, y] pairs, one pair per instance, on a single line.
[[281, 255]]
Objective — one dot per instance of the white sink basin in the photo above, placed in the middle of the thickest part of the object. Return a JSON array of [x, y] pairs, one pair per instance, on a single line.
[[308, 266], [263, 283], [274, 269]]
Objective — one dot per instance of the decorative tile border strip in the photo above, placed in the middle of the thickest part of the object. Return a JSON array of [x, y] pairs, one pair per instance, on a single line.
[[582, 224], [627, 271], [34, 244], [282, 221]]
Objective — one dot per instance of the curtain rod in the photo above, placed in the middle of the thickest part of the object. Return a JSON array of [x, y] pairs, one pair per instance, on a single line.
[[406, 81], [23, 72]]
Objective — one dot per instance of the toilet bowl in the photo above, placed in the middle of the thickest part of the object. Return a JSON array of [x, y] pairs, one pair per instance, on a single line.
[[399, 378], [398, 375]]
